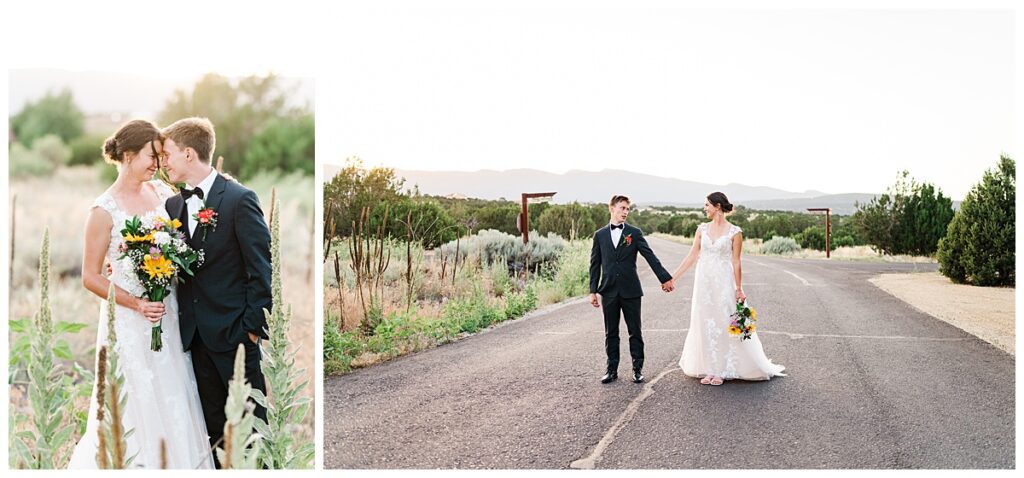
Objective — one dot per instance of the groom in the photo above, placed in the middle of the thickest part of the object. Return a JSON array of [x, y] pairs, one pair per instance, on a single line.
[[613, 276], [222, 305]]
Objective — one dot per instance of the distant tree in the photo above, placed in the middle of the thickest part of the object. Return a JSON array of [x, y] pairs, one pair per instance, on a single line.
[[284, 144], [241, 111], [86, 150], [355, 187], [46, 155], [570, 221], [500, 217], [53, 114], [979, 244], [909, 218]]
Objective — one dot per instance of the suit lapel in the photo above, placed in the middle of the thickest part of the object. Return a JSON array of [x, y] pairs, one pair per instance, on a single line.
[[182, 214], [213, 200], [622, 246]]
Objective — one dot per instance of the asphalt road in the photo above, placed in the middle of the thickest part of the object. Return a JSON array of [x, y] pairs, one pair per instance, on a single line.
[[873, 383]]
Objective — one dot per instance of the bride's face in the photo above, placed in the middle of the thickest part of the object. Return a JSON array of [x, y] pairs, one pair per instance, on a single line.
[[711, 210], [143, 165]]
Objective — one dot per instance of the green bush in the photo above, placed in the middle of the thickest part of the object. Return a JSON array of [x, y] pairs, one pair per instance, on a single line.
[[979, 244], [86, 150], [572, 221], [25, 162], [843, 241], [780, 245], [813, 238], [53, 114]]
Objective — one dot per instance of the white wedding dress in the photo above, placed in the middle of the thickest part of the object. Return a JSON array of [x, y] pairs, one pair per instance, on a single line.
[[709, 349], [162, 401]]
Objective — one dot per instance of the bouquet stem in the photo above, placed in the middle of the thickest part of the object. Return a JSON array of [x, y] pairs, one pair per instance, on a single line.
[[157, 342]]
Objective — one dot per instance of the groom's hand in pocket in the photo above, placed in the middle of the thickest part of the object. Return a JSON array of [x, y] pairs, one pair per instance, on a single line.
[[594, 301]]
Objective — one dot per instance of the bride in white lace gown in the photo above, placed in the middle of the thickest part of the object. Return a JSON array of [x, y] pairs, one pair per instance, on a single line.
[[162, 402], [709, 351]]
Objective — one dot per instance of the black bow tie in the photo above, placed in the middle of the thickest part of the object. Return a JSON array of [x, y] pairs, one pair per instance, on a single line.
[[187, 193], [613, 226]]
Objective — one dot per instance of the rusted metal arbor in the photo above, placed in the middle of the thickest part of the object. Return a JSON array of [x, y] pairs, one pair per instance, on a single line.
[[523, 221], [828, 228]]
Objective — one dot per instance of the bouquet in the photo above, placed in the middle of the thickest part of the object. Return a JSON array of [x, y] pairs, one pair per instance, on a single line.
[[158, 253], [743, 321]]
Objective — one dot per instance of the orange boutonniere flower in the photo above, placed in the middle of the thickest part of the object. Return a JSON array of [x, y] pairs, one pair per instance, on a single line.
[[629, 239], [207, 219]]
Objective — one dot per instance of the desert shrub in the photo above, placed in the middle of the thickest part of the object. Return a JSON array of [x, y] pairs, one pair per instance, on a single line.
[[780, 245]]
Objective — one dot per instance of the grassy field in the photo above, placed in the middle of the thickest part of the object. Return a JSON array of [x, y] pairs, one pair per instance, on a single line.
[[61, 203]]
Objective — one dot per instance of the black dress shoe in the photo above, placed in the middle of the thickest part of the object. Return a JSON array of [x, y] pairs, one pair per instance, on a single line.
[[638, 377], [610, 377]]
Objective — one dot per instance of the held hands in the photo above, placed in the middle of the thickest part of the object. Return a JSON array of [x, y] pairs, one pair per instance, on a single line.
[[669, 285], [152, 311], [740, 296]]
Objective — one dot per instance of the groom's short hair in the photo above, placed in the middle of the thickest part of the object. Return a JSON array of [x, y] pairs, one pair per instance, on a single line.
[[196, 133], [617, 199]]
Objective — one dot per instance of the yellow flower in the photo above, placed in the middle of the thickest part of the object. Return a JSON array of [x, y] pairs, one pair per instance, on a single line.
[[157, 267], [171, 223], [734, 330], [750, 329], [133, 238], [753, 313]]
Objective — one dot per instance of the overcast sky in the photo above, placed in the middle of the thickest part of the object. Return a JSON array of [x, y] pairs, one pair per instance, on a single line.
[[835, 100], [831, 100]]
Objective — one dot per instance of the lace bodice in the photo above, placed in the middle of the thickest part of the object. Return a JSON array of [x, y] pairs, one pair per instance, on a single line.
[[121, 273], [718, 248]]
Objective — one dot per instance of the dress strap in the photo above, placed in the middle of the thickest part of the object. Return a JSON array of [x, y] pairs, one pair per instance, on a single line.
[[163, 190], [106, 202]]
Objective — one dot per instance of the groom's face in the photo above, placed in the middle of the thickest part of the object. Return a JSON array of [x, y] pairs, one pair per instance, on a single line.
[[174, 161], [619, 211]]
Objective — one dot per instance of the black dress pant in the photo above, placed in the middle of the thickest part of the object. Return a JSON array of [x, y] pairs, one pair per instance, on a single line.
[[630, 310], [213, 372]]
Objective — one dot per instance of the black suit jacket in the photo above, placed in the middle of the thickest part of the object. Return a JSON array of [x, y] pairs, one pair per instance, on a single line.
[[227, 296], [613, 269]]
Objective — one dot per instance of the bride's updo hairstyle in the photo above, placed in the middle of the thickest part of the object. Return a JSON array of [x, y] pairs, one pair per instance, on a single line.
[[130, 138], [718, 199]]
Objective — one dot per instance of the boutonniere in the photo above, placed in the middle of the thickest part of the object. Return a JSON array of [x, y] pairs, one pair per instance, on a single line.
[[207, 219], [628, 239]]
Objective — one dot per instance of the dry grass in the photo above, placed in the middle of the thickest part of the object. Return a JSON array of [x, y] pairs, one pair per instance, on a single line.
[[62, 203], [852, 253]]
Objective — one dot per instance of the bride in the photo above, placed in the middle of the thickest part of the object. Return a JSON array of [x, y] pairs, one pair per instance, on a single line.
[[162, 403], [709, 351]]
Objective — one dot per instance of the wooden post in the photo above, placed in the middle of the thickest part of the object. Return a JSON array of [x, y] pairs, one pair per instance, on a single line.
[[828, 228], [524, 216]]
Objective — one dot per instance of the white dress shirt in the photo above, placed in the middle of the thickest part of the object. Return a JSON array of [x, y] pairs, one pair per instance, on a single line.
[[616, 234], [195, 204]]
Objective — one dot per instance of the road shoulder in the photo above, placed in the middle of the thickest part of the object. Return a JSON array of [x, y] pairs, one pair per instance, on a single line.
[[985, 312]]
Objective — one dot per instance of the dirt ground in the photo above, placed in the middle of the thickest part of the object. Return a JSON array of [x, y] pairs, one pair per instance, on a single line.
[[985, 312]]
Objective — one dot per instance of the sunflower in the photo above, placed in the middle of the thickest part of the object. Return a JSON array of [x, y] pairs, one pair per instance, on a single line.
[[172, 223], [734, 330], [159, 267], [133, 238], [753, 313]]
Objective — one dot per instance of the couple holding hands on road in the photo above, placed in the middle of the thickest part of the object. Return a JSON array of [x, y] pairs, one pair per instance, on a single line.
[[709, 352]]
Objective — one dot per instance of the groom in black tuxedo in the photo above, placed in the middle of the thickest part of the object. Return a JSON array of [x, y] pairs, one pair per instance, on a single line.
[[222, 305], [613, 277]]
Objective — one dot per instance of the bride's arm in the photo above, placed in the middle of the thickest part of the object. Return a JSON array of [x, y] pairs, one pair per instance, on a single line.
[[737, 270], [690, 258], [97, 239]]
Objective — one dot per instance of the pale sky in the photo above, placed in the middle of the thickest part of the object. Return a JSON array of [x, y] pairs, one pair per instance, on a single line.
[[832, 100]]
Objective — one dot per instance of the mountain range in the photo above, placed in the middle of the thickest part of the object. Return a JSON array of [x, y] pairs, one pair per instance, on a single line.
[[598, 187]]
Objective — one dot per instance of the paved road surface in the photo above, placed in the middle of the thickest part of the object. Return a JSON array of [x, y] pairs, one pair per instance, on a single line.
[[873, 383]]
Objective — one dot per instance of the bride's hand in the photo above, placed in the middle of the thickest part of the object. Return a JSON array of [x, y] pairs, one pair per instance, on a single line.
[[152, 311], [740, 296]]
